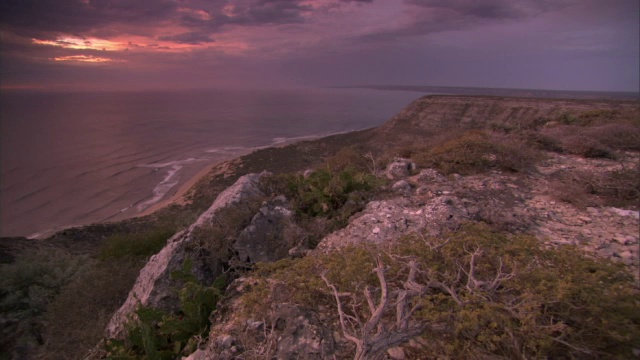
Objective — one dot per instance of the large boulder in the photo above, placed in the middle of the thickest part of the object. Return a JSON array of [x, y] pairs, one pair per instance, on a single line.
[[155, 286]]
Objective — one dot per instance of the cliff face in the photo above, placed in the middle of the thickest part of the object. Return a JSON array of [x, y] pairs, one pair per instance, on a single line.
[[438, 112], [420, 200]]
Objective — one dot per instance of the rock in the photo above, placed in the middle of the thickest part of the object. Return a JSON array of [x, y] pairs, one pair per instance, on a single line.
[[155, 286], [431, 176], [623, 212], [626, 255], [308, 173], [263, 239], [620, 239], [400, 168], [198, 355], [387, 220], [396, 353], [401, 186], [225, 341], [301, 334]]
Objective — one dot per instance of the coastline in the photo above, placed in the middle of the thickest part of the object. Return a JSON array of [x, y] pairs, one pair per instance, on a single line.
[[178, 197]]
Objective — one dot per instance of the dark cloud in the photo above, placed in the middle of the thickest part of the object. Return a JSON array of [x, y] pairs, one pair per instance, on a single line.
[[433, 16], [192, 38], [45, 18], [267, 12]]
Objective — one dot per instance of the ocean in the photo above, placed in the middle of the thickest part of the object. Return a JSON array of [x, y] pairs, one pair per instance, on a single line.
[[71, 159]]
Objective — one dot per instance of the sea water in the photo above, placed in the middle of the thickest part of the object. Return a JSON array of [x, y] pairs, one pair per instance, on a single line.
[[70, 159]]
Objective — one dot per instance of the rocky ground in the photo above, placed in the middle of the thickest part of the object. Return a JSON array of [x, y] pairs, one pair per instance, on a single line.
[[514, 202]]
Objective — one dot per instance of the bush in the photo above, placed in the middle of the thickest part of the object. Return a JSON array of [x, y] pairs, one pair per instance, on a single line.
[[77, 317], [156, 334], [325, 192], [482, 294], [475, 152], [27, 286], [136, 245], [584, 188]]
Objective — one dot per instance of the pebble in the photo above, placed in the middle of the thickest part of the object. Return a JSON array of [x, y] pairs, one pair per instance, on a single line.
[[376, 230], [626, 254]]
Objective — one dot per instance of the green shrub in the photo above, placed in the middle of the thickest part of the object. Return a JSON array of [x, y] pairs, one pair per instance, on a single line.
[[325, 192], [136, 245], [546, 303], [156, 334], [27, 286]]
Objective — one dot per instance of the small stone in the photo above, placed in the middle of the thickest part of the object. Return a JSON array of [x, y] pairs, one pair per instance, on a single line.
[[376, 230], [626, 255], [585, 219], [254, 325], [396, 353], [402, 185], [225, 341], [620, 239]]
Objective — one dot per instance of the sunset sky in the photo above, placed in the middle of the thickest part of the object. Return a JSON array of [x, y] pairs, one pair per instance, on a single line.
[[182, 44]]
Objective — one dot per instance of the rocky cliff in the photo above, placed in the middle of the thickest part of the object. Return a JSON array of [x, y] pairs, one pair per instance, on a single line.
[[417, 199], [466, 227]]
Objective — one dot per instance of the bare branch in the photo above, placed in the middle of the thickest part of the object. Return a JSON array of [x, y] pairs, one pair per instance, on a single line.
[[341, 313]]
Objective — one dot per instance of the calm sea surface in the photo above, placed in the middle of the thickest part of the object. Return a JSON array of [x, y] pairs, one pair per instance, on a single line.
[[75, 159]]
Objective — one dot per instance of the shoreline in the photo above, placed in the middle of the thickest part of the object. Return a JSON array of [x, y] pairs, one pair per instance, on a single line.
[[178, 197]]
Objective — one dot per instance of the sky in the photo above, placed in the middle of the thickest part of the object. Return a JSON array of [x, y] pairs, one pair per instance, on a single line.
[[186, 44]]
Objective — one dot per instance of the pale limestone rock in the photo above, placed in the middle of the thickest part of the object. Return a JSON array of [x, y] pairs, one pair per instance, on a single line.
[[400, 168], [154, 286]]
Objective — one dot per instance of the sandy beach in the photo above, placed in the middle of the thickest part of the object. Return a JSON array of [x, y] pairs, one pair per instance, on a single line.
[[178, 197]]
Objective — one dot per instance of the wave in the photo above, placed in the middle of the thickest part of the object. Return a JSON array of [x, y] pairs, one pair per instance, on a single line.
[[172, 163], [170, 180]]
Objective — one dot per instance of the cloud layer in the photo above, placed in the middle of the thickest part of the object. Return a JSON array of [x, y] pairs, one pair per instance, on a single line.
[[93, 44]]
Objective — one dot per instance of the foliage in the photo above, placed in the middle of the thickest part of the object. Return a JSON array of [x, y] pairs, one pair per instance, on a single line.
[[583, 188], [325, 199], [483, 294], [75, 320], [476, 151], [136, 245], [27, 286], [157, 334]]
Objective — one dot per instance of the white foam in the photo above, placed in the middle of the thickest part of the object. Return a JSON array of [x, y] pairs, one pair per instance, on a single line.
[[227, 149], [171, 163], [162, 188]]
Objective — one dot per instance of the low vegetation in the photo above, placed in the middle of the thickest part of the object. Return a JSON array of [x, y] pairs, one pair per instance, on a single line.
[[58, 304], [27, 288], [473, 294], [156, 334], [475, 152]]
